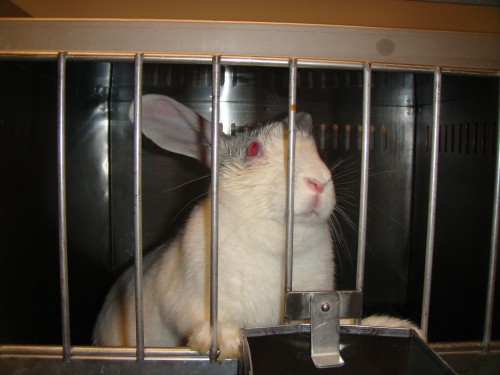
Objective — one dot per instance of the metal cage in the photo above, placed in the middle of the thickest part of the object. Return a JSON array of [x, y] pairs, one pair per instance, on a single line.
[[442, 88]]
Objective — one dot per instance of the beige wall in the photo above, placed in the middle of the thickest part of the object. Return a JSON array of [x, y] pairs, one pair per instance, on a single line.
[[377, 13]]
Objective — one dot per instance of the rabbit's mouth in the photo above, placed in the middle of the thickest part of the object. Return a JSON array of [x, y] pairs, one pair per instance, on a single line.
[[316, 209], [307, 215]]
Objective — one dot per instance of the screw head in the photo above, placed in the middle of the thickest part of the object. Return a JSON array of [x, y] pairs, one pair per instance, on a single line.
[[325, 307]]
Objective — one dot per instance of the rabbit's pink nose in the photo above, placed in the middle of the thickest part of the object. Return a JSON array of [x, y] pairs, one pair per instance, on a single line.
[[314, 185]]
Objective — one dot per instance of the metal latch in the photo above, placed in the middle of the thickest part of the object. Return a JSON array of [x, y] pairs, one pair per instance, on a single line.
[[324, 309]]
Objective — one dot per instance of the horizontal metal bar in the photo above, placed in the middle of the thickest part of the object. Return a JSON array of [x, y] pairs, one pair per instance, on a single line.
[[344, 329], [184, 353], [101, 57], [255, 61], [27, 55], [113, 57], [402, 68], [149, 58], [90, 352], [178, 59], [471, 72], [430, 69], [463, 347], [329, 64], [240, 61]]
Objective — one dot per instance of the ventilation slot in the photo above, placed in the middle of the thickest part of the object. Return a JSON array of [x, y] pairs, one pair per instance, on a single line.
[[469, 138], [344, 138]]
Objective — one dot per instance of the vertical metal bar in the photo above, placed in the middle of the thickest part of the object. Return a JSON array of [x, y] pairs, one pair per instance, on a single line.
[[365, 164], [292, 109], [138, 205], [61, 190], [431, 213], [214, 223], [490, 296]]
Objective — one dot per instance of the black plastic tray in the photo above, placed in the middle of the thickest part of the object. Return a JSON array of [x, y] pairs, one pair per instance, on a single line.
[[365, 351]]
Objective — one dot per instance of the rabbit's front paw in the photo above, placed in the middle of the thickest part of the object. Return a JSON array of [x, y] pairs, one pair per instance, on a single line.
[[229, 340], [230, 337]]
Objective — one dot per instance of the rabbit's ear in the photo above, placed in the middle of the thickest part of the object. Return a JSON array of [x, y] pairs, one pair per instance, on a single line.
[[303, 121], [175, 127]]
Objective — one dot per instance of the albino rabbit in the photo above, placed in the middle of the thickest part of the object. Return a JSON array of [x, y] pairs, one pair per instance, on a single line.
[[251, 238]]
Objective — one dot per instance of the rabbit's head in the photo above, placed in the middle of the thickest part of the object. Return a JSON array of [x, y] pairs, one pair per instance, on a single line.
[[253, 166]]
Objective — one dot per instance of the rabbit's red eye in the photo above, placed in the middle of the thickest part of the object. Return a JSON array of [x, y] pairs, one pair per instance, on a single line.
[[254, 148]]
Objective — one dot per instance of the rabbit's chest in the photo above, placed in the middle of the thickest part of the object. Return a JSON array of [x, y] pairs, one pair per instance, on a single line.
[[252, 289]]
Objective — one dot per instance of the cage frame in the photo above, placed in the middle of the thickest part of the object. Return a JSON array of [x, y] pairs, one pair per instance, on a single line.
[[243, 43]]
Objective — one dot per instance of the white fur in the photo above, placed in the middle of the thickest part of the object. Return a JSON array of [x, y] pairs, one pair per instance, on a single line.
[[390, 321], [251, 247]]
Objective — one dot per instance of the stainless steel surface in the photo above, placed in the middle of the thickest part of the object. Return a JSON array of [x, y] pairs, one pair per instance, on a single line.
[[63, 235], [90, 360], [431, 221], [292, 109], [243, 61], [325, 339], [297, 304], [406, 47], [138, 254], [324, 309], [89, 352], [214, 208], [492, 272], [365, 165], [351, 304]]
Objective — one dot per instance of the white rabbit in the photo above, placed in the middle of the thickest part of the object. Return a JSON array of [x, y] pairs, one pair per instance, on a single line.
[[251, 238]]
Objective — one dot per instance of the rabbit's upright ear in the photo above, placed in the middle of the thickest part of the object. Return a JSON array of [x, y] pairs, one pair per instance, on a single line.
[[303, 121], [175, 127]]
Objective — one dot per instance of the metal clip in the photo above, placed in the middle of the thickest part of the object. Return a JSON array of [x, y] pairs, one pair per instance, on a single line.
[[325, 336], [325, 310]]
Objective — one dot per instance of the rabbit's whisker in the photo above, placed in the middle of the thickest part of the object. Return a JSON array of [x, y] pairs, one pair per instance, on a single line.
[[185, 183]]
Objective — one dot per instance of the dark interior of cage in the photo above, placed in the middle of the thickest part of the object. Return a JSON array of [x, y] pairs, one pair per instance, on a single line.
[[99, 167]]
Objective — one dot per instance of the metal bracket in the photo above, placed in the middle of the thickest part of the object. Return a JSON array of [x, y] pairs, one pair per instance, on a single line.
[[325, 310], [325, 337]]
